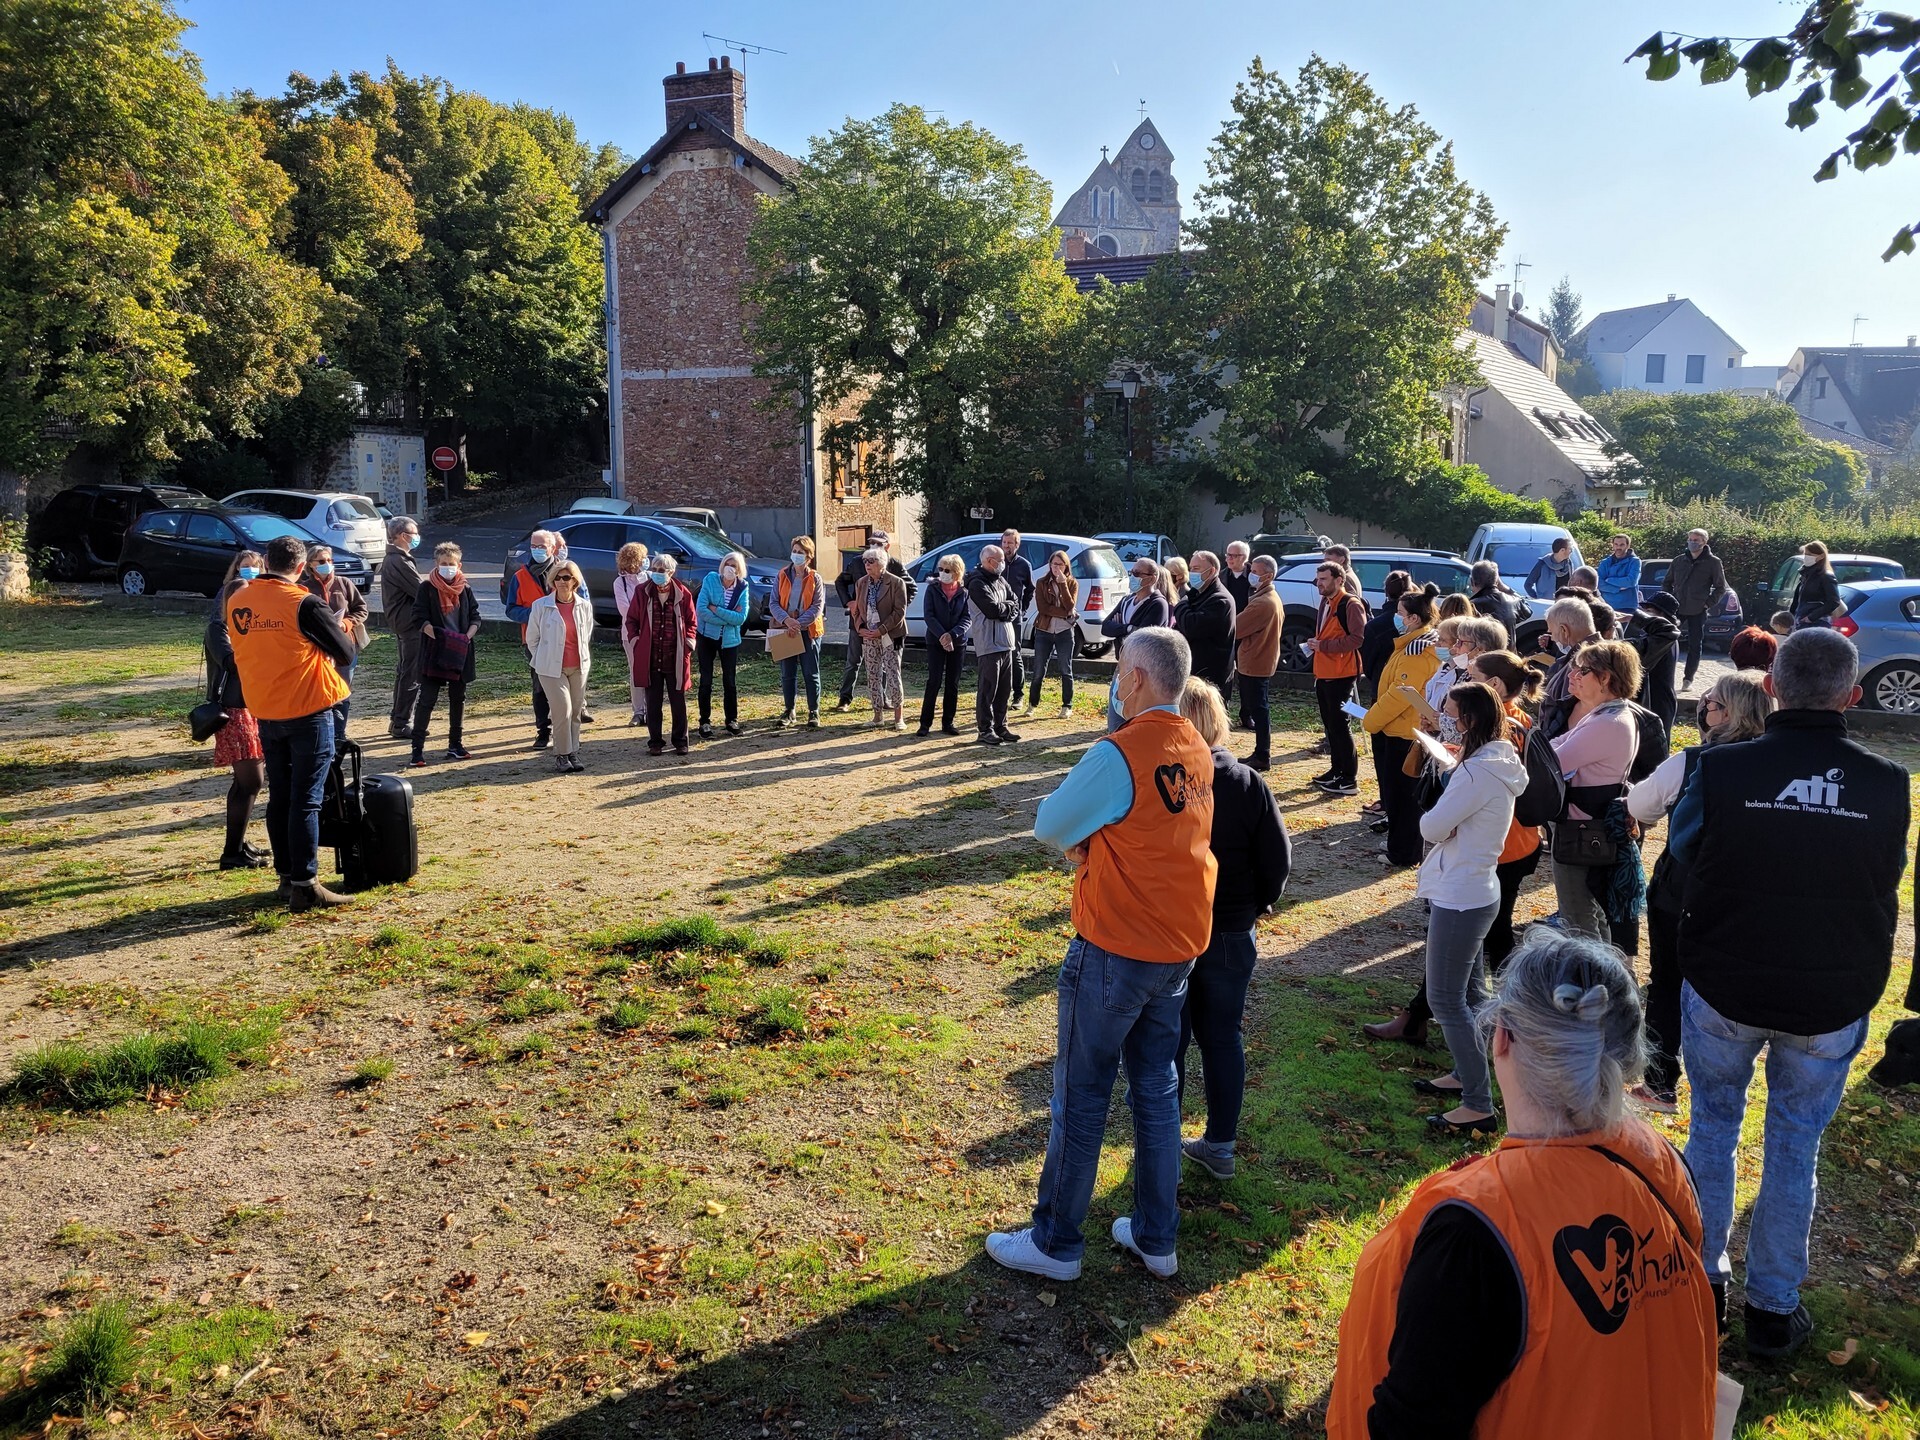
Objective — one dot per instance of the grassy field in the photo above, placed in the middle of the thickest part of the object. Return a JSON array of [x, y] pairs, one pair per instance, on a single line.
[[674, 1099]]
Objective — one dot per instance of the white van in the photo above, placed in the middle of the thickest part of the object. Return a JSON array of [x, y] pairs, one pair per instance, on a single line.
[[1516, 548]]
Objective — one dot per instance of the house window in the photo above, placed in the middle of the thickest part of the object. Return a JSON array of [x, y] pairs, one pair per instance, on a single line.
[[1820, 388], [1139, 179], [1156, 188], [847, 472], [1656, 369], [1696, 369], [1730, 364]]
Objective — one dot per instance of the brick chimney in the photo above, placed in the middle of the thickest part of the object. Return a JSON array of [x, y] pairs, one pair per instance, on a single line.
[[719, 90]]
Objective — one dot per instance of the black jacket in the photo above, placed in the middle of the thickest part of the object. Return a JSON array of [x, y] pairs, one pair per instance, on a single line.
[[223, 676], [1697, 584], [427, 610], [1249, 842], [1657, 639], [947, 617], [1816, 595], [1239, 586], [1019, 574], [1205, 617], [1557, 701], [1824, 821], [1498, 603], [1376, 643]]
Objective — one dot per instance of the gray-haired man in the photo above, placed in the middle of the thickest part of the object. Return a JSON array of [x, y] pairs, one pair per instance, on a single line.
[[399, 579]]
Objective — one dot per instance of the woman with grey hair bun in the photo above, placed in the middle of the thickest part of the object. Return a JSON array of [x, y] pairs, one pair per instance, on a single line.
[[1582, 1226]]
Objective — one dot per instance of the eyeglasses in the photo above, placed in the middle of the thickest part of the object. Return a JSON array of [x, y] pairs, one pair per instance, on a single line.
[[1709, 703]]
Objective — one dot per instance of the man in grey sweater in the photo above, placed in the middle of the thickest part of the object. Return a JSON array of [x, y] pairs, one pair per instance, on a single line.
[[399, 579], [995, 611]]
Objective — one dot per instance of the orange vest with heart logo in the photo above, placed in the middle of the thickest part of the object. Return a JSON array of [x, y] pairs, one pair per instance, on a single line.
[[1620, 1337], [1146, 889], [284, 675]]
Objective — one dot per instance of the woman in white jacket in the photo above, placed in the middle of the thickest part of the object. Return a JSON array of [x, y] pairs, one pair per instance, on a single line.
[[558, 628], [1467, 828]]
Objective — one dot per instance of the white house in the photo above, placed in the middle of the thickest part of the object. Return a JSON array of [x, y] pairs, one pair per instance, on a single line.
[[1859, 394], [1672, 347]]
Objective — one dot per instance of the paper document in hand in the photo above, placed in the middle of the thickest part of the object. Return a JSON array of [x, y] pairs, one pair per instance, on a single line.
[[1358, 712], [1433, 752]]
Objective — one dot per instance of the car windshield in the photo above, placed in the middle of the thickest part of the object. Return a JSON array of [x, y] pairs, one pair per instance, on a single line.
[[1133, 548], [702, 543], [1517, 555], [1097, 562], [354, 507], [262, 528]]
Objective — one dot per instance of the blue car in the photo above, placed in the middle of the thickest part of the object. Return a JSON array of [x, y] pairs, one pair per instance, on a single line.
[[594, 540], [1883, 621]]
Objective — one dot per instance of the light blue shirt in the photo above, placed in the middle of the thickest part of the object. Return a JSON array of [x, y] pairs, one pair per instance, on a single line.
[[1098, 791]]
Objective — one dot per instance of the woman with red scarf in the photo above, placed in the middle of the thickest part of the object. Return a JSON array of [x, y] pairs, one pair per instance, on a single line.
[[662, 625], [447, 613]]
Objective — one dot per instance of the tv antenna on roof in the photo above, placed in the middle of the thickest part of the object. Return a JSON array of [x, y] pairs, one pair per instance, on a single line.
[[744, 47], [1855, 338]]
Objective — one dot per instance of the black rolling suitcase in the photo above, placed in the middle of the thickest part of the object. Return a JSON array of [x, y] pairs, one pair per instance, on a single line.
[[368, 820]]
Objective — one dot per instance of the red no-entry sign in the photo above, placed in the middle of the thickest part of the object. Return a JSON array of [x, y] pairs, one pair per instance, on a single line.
[[445, 458]]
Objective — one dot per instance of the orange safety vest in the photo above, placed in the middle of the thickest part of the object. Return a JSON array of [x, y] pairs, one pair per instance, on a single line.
[[1522, 840], [1620, 1341], [1146, 889], [809, 583], [284, 675], [1334, 667]]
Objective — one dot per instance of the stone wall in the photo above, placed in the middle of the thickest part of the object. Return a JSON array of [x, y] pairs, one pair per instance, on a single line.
[[388, 464]]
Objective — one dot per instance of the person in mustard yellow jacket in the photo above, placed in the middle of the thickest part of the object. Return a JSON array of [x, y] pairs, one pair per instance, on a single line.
[[1393, 718]]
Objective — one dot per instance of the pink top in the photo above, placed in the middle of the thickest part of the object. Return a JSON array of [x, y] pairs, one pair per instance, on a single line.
[[570, 659], [1599, 750]]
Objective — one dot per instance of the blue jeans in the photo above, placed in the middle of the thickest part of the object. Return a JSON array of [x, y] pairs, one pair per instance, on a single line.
[[1456, 984], [1216, 1006], [1806, 1076], [1113, 1008], [298, 754], [806, 662]]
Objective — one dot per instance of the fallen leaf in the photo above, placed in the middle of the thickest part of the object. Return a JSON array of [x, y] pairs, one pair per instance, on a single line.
[[476, 1337], [1876, 1272], [716, 1209], [1048, 1298], [1845, 1353]]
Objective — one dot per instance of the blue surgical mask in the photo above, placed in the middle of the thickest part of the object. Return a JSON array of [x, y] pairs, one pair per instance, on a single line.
[[1137, 582], [413, 542], [799, 559], [1399, 623], [323, 568], [447, 572], [1119, 701], [659, 577], [539, 554], [248, 572], [1194, 582], [1443, 653]]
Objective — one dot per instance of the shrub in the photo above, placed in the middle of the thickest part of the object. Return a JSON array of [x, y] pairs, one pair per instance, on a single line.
[[1442, 506]]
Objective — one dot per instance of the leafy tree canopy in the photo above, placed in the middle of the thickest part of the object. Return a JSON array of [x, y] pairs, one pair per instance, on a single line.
[[906, 283], [1338, 255], [1749, 451], [1840, 53]]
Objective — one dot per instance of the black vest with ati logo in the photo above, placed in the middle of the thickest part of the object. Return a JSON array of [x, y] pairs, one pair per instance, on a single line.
[[1793, 895]]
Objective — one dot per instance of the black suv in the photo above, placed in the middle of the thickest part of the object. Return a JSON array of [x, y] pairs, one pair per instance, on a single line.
[[190, 548], [78, 535]]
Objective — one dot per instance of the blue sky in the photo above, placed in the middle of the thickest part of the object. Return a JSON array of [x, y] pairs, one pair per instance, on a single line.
[[1635, 190]]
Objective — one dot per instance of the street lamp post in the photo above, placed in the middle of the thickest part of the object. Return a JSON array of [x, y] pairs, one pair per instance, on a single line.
[[1129, 387]]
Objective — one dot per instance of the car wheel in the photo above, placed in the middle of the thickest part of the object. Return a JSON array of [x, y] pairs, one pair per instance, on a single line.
[[133, 581], [1894, 688], [63, 564], [1526, 637], [1293, 634]]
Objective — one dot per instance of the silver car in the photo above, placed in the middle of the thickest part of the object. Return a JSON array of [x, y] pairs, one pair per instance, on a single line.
[[340, 518], [1094, 563], [1883, 621]]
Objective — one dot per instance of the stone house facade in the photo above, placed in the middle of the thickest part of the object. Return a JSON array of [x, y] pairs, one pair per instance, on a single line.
[[687, 417]]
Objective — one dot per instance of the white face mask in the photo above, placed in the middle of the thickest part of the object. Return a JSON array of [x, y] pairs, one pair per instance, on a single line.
[[447, 572], [729, 573], [799, 559]]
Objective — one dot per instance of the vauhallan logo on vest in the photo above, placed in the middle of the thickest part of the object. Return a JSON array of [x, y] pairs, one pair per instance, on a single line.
[[1817, 794], [1606, 1267]]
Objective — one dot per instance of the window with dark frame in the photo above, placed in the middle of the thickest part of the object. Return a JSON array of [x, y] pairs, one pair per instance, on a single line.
[[1696, 369], [1656, 370]]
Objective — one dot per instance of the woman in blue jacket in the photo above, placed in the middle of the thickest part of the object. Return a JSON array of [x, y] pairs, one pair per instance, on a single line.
[[948, 623], [722, 612]]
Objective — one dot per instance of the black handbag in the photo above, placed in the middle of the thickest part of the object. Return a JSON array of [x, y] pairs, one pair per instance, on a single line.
[[205, 720], [1584, 842]]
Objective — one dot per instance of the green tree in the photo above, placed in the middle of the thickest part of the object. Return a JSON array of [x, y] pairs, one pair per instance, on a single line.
[[1563, 312], [1749, 451], [905, 282], [1337, 255], [142, 303], [1827, 53]]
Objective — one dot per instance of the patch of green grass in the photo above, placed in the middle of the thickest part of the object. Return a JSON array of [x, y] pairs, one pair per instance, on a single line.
[[95, 1356], [372, 1071], [696, 933], [68, 1073], [695, 1027], [629, 1014], [181, 1351], [532, 1001], [76, 1235], [530, 1047]]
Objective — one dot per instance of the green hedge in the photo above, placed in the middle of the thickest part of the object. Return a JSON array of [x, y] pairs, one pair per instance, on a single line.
[[1440, 507], [1751, 544]]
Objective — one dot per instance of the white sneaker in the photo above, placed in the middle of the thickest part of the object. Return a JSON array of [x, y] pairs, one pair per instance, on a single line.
[[1163, 1266], [1066, 712], [1018, 1252]]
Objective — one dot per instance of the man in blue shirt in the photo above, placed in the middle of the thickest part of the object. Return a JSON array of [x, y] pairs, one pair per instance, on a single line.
[[1619, 575]]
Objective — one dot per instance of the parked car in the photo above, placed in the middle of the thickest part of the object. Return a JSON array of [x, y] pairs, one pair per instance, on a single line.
[[600, 505], [1094, 563], [189, 547], [340, 518], [1883, 621], [1772, 595], [78, 534], [1516, 548], [1300, 600], [594, 540], [1724, 621], [1130, 545], [688, 515], [1284, 547]]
